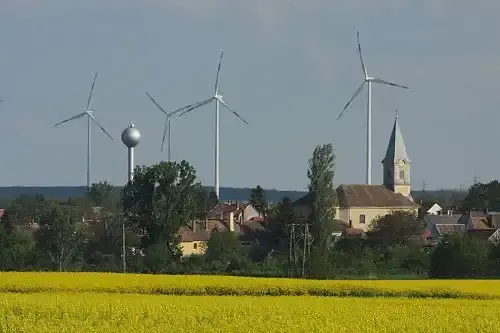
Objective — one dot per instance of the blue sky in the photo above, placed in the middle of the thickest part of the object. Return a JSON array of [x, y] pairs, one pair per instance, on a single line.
[[289, 68]]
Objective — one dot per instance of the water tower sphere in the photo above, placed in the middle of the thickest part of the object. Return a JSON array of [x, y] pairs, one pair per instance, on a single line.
[[131, 136]]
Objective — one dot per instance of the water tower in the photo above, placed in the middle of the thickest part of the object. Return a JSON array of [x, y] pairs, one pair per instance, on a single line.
[[131, 138]]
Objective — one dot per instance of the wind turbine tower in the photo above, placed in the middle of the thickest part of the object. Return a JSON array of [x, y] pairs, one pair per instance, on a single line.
[[90, 118], [131, 137], [368, 80], [217, 97]]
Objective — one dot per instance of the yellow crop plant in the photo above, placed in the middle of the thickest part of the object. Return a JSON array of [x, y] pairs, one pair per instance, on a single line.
[[106, 302], [231, 285], [70, 312]]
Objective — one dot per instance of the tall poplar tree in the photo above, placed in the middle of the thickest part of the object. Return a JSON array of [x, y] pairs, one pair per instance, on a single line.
[[321, 175]]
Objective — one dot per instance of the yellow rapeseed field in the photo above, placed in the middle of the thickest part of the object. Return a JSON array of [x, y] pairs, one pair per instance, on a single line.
[[224, 285], [101, 312]]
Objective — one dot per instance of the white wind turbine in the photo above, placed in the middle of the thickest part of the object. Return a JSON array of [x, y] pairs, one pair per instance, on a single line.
[[90, 118], [368, 80], [166, 130], [217, 97]]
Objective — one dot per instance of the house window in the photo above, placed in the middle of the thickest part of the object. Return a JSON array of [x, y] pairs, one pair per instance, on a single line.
[[362, 218], [195, 246], [401, 174]]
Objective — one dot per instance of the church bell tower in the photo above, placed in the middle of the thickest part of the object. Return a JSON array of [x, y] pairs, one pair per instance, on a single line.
[[397, 164]]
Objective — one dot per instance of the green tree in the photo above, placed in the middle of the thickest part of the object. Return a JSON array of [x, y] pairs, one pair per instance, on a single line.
[[281, 215], [160, 199], [23, 210], [103, 250], [224, 251], [397, 228], [16, 249], [212, 200], [61, 234], [483, 196], [460, 256], [258, 200], [321, 175], [207, 201], [103, 194]]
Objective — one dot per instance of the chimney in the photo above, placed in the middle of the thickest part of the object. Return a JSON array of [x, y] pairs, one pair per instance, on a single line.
[[194, 225], [206, 224], [231, 221], [450, 212], [222, 216]]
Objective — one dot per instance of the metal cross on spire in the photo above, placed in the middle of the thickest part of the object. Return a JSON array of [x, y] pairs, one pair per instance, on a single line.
[[396, 117]]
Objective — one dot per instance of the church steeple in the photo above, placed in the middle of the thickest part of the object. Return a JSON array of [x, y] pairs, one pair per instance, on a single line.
[[396, 163]]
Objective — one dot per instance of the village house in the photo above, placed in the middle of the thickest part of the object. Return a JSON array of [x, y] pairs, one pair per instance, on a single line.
[[359, 205], [435, 210], [479, 224], [240, 218]]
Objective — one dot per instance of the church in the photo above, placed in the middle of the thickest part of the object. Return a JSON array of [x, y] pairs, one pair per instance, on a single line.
[[359, 205]]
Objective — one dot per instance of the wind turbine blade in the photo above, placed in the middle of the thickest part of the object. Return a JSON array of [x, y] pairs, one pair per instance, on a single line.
[[218, 72], [376, 80], [156, 103], [187, 107], [165, 132], [196, 106], [100, 126], [234, 112], [356, 93], [361, 57], [71, 118], [91, 90]]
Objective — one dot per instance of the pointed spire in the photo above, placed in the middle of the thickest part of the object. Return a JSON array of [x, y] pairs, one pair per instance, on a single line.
[[396, 149]]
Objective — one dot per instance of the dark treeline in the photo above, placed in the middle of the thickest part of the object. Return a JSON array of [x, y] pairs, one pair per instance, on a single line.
[[8, 194], [86, 233], [447, 198]]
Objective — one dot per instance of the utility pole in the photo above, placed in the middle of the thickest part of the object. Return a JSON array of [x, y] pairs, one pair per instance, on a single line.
[[424, 186], [124, 250], [307, 248], [292, 250]]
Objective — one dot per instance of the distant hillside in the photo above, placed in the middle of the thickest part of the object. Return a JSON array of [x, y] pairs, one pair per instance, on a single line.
[[226, 194], [64, 192]]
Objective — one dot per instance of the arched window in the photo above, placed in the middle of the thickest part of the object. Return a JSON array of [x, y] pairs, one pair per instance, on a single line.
[[362, 219]]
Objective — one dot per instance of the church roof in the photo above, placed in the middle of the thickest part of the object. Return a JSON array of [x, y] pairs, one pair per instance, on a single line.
[[364, 196], [396, 149], [371, 196]]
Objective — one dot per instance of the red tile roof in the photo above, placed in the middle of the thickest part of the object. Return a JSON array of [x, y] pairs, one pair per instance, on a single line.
[[245, 230], [225, 209]]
